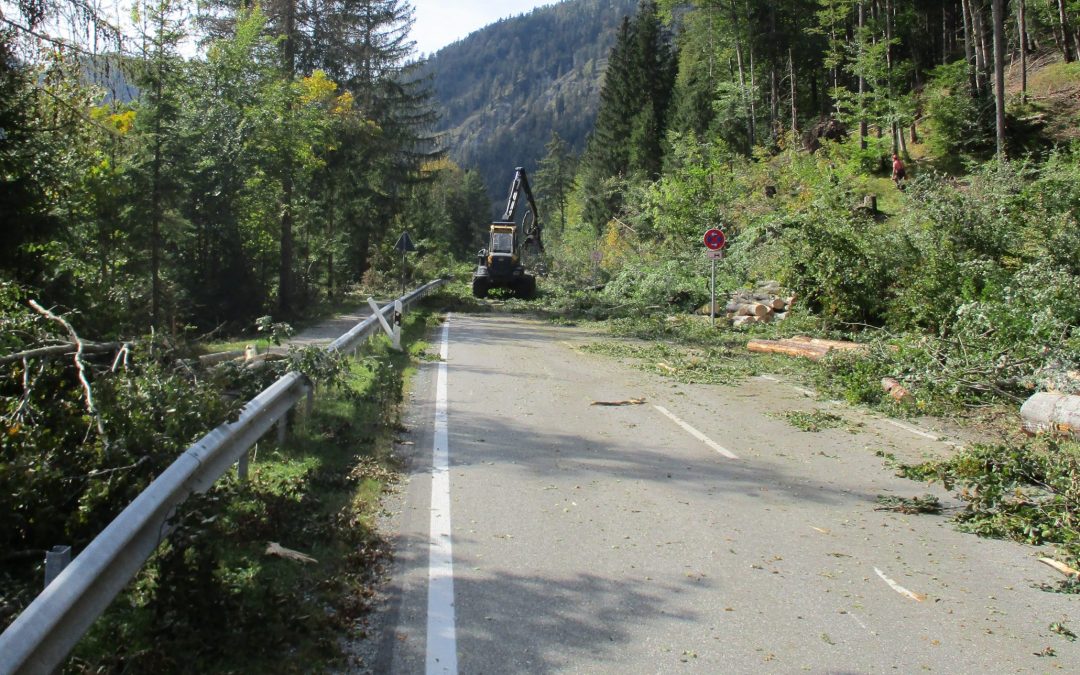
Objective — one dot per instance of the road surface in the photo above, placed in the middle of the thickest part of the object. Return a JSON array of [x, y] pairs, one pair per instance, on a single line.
[[697, 531]]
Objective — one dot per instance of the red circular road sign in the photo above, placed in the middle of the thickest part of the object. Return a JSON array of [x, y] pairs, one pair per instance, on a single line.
[[715, 239]]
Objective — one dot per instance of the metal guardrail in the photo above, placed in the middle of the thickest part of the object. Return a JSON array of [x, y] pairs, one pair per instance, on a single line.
[[42, 636]]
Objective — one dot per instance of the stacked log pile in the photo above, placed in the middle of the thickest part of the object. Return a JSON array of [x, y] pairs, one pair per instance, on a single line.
[[764, 304]]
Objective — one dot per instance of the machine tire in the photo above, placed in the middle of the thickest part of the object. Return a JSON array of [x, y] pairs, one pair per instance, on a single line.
[[479, 288], [526, 289]]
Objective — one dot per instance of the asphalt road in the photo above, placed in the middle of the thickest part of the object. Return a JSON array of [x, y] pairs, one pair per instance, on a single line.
[[613, 539]]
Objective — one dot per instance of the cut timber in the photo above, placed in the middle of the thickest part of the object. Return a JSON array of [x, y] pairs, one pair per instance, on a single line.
[[895, 390], [753, 309], [832, 344], [207, 360], [1051, 412], [788, 348], [809, 348]]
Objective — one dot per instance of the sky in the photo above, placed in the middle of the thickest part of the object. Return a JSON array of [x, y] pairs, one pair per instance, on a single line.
[[440, 22]]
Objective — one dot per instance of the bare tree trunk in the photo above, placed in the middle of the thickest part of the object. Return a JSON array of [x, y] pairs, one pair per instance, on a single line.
[[747, 100], [774, 78], [985, 38], [1021, 26], [862, 82], [286, 258], [753, 91], [889, 68], [969, 50], [1066, 36], [794, 110], [997, 9]]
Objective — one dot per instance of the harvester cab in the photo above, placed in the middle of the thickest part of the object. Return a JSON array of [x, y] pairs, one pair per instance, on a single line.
[[502, 263]]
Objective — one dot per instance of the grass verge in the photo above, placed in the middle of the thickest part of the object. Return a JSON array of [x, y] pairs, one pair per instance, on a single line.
[[214, 599]]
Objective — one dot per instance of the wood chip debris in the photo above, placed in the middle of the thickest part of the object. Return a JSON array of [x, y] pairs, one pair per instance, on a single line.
[[1060, 567], [629, 401], [274, 548], [918, 597]]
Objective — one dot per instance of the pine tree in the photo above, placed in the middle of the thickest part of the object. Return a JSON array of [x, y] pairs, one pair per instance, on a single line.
[[630, 123]]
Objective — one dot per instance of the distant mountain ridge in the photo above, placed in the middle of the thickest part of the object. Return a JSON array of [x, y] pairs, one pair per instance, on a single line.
[[502, 90]]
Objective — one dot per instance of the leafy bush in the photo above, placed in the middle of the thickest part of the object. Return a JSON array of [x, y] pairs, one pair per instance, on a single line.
[[960, 123], [1028, 492], [680, 284]]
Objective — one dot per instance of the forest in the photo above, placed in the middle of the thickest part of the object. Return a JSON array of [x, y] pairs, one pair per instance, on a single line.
[[778, 122], [504, 89], [233, 166]]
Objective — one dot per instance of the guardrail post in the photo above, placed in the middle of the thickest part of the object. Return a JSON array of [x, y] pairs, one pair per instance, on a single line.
[[310, 407], [56, 559], [399, 316], [282, 428], [242, 465]]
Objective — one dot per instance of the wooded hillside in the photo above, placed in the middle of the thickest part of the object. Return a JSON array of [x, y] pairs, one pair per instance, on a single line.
[[503, 90]]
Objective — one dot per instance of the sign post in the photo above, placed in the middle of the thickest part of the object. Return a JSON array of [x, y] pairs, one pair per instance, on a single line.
[[714, 240], [404, 244]]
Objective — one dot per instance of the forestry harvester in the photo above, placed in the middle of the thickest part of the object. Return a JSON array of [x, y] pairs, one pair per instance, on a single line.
[[501, 264]]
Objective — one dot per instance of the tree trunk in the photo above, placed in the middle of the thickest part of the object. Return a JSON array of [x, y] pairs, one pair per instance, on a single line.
[[1021, 26], [1066, 36], [863, 130], [997, 9], [985, 39], [747, 99], [969, 50], [286, 260], [794, 109]]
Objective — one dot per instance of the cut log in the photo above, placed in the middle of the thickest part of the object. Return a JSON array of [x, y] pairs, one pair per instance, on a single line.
[[895, 390], [207, 360], [751, 309], [810, 348], [776, 304], [743, 320], [788, 348], [779, 316], [832, 344], [1046, 412]]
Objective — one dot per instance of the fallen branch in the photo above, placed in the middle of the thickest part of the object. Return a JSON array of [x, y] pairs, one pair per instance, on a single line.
[[79, 365], [1060, 567], [274, 548], [63, 349], [630, 401]]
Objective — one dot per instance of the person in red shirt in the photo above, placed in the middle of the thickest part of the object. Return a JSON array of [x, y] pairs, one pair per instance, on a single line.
[[898, 171]]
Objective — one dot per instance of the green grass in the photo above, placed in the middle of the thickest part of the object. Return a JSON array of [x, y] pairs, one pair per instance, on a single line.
[[212, 600]]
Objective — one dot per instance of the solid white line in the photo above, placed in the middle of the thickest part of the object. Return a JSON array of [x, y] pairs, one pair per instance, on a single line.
[[697, 434], [769, 378], [441, 630], [907, 427]]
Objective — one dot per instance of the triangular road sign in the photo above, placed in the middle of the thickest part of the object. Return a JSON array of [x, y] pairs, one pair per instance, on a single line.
[[405, 243]]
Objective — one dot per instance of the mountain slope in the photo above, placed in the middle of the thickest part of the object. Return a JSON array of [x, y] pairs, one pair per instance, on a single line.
[[504, 89]]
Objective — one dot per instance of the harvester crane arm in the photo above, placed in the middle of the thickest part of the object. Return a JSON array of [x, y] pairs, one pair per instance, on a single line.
[[531, 229]]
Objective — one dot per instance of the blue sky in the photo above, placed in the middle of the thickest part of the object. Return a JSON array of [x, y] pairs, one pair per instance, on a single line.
[[440, 22]]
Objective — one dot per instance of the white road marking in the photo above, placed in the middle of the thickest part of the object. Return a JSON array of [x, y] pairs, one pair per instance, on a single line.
[[918, 597], [441, 629], [909, 428], [697, 434]]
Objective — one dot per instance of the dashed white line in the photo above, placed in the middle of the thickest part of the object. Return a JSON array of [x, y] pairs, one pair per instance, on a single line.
[[697, 434], [911, 429], [441, 628]]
